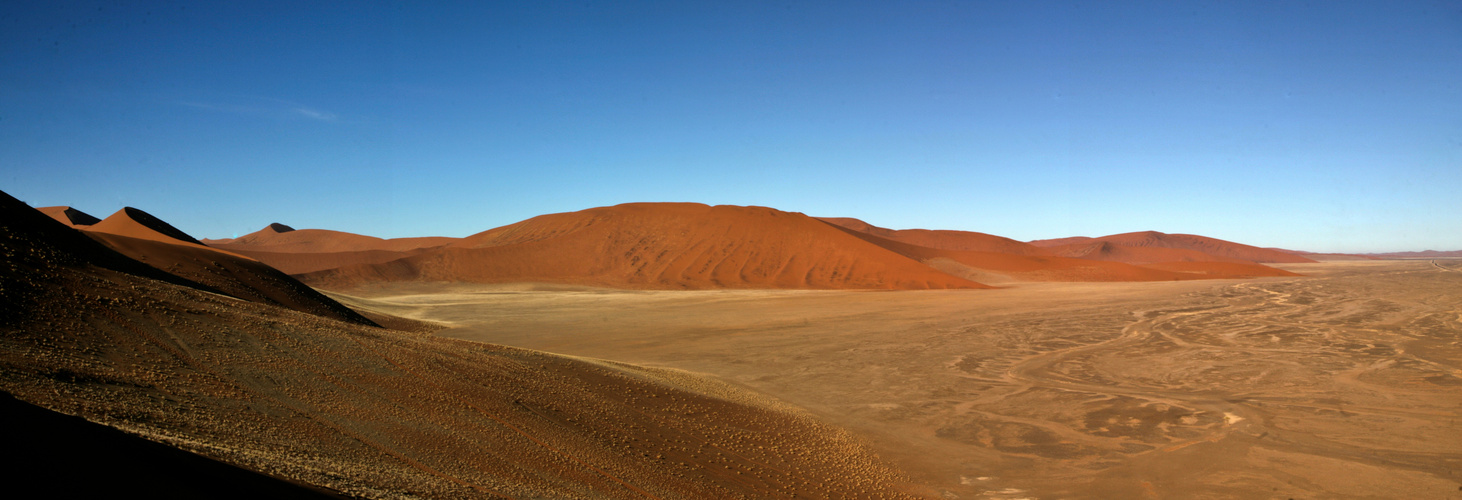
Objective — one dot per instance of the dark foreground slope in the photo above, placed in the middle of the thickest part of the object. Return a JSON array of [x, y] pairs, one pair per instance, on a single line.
[[69, 457], [376, 413]]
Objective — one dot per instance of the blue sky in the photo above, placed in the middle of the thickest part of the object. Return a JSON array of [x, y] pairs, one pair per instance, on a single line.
[[1326, 126]]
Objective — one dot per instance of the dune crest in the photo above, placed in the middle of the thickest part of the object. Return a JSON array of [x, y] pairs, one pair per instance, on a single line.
[[135, 223], [69, 216], [279, 238]]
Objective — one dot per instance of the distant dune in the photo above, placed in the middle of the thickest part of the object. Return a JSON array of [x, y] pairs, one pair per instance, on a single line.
[[1051, 268], [661, 246], [1153, 239], [308, 262], [69, 216], [940, 239], [308, 250], [1106, 250], [1426, 254], [279, 238]]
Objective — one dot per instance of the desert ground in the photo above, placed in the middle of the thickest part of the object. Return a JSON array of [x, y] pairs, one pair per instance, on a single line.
[[1345, 382]]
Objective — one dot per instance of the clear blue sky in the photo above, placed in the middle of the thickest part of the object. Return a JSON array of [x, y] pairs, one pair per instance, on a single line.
[[1326, 126]]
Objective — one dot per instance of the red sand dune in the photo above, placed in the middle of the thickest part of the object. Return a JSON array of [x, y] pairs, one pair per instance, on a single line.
[[279, 238], [135, 223], [1104, 250], [69, 216], [1051, 268], [940, 239], [661, 246], [308, 250], [147, 239], [1211, 246], [1027, 267]]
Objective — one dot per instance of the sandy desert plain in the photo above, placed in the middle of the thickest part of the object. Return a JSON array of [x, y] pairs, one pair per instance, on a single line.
[[1344, 383], [685, 351]]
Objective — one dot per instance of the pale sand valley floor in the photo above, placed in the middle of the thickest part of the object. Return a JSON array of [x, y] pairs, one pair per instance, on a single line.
[[1344, 383]]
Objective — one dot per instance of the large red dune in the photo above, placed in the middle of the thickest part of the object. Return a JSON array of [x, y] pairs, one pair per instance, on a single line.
[[661, 246], [147, 239], [1154, 239], [69, 216]]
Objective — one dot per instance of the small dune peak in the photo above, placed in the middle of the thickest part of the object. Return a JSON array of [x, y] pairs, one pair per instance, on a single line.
[[70, 216], [279, 228], [128, 221]]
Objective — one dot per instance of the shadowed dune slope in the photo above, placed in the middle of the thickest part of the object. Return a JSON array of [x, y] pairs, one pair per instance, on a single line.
[[1051, 268], [57, 448], [382, 414], [232, 275], [941, 239], [69, 216], [38, 243], [661, 246], [279, 238], [138, 235], [1211, 246]]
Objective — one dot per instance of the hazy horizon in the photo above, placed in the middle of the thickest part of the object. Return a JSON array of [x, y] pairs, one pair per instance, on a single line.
[[1331, 128]]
